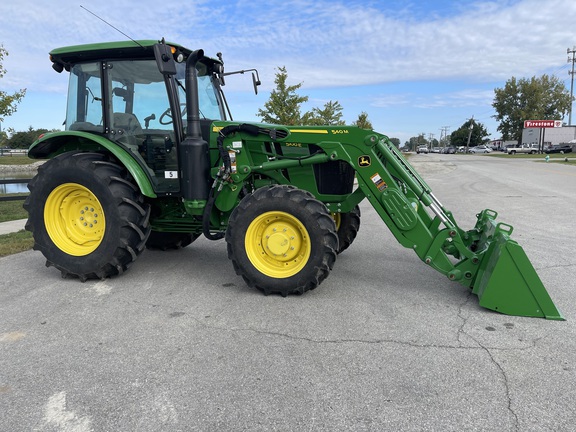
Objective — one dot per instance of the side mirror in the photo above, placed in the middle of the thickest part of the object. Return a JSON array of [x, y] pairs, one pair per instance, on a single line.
[[256, 81]]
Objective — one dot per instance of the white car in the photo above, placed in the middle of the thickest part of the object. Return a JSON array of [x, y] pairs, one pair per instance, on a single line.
[[422, 149], [480, 149]]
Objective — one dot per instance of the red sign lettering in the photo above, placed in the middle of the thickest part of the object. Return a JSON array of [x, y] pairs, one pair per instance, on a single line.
[[542, 123]]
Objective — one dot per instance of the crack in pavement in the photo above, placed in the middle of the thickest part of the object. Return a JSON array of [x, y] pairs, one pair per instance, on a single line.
[[501, 371]]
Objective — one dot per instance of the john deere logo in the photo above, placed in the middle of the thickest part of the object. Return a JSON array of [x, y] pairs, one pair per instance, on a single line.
[[364, 161]]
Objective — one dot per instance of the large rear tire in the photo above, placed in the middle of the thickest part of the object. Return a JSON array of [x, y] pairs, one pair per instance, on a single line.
[[347, 226], [282, 240], [86, 217]]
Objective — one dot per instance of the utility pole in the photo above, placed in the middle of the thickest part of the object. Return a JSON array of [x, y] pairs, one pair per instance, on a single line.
[[571, 73], [444, 132], [471, 127]]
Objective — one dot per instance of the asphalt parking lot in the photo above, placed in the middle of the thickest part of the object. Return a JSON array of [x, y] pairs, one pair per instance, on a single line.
[[180, 343]]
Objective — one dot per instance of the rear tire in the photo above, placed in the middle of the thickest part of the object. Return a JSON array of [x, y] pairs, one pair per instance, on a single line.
[[282, 240], [86, 217], [347, 226]]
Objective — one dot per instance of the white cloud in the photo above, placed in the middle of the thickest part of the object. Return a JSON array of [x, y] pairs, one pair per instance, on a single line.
[[324, 43], [459, 99], [392, 100], [332, 45]]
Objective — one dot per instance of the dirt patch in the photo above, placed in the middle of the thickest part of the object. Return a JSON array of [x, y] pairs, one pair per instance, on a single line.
[[428, 168]]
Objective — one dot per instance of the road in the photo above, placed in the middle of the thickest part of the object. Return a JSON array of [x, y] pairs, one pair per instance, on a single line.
[[180, 343]]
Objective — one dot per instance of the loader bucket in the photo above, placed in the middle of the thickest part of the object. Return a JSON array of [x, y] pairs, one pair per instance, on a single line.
[[507, 282]]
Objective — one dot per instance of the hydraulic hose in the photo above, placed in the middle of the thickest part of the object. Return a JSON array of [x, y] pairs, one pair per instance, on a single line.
[[223, 174]]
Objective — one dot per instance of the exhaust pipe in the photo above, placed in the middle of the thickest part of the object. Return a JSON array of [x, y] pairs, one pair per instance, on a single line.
[[194, 156]]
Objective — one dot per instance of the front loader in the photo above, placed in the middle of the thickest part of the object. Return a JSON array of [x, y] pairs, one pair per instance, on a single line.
[[151, 158]]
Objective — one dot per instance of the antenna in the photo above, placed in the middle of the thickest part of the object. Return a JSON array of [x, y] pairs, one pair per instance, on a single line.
[[106, 22]]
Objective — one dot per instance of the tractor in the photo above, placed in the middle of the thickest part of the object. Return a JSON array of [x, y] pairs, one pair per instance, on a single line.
[[150, 157]]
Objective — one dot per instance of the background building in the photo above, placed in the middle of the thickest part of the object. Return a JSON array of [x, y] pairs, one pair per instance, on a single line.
[[549, 136]]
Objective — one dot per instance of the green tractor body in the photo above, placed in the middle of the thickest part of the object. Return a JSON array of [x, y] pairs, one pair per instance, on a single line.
[[150, 157]]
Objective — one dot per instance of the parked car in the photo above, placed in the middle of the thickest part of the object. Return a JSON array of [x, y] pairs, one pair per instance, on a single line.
[[480, 149], [523, 148], [422, 149], [559, 148]]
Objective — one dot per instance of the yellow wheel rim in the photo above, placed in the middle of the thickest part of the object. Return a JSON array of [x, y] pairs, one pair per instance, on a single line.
[[277, 244], [74, 219], [337, 219]]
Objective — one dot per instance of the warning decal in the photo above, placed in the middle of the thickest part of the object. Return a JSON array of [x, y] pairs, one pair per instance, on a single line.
[[232, 155], [377, 180]]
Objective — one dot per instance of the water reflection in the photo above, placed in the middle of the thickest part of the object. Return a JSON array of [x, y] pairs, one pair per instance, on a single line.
[[15, 187]]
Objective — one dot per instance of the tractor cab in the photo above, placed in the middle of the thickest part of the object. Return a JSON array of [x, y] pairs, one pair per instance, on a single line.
[[118, 91]]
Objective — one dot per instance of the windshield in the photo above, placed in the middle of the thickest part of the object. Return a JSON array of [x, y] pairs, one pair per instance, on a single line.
[[208, 100]]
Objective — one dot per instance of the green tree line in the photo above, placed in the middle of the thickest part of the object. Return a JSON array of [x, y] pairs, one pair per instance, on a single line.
[[284, 106]]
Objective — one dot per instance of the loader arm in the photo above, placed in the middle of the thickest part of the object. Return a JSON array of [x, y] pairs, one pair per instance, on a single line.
[[484, 258]]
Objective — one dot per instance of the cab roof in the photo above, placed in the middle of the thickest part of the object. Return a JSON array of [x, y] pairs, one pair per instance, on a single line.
[[140, 49]]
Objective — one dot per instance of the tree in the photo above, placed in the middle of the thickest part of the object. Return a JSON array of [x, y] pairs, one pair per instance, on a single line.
[[414, 142], [363, 122], [330, 115], [544, 98], [8, 103], [3, 138], [23, 140], [284, 104], [395, 141], [478, 136], [283, 107]]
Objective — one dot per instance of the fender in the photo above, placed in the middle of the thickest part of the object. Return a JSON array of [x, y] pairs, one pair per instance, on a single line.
[[52, 144]]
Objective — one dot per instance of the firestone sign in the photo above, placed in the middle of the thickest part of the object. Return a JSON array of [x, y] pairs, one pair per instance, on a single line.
[[542, 124]]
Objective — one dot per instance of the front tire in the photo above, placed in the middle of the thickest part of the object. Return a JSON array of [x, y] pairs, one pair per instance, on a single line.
[[86, 217], [282, 240], [347, 226]]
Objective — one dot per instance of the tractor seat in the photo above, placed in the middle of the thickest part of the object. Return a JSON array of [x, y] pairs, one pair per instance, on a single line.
[[128, 123]]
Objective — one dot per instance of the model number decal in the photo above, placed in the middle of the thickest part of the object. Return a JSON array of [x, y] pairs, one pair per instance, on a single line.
[[339, 131]]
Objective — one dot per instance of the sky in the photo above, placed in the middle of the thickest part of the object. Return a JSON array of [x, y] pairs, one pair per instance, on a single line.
[[413, 66]]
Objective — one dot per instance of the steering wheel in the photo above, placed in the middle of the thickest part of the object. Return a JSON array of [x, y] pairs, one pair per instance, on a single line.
[[166, 117]]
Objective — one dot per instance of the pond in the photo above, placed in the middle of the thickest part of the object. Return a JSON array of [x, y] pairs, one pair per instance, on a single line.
[[15, 187]]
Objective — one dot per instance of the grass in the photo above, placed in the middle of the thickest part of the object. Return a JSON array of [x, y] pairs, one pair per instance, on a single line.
[[565, 159], [15, 242], [12, 210], [16, 160], [532, 156]]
